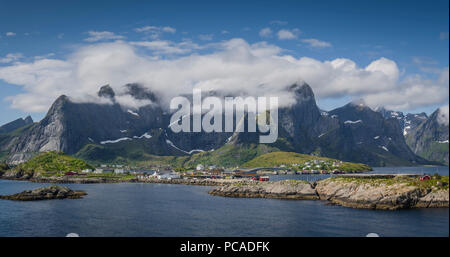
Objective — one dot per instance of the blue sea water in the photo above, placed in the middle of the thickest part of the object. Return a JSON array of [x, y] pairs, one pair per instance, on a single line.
[[135, 209]]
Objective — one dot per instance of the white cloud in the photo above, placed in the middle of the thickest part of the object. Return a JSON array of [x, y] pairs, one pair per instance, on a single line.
[[155, 32], [147, 28], [233, 66], [206, 37], [285, 34], [265, 32], [11, 57], [443, 116], [312, 42], [224, 32], [169, 29], [278, 22], [10, 34], [38, 57], [95, 36], [160, 47]]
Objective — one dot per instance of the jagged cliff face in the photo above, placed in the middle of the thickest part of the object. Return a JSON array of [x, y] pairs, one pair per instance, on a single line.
[[48, 135], [106, 131], [371, 138], [408, 122], [68, 126], [354, 132], [430, 139]]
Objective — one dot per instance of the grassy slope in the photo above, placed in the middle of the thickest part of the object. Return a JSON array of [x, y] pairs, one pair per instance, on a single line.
[[127, 154], [52, 162], [288, 158], [229, 155], [249, 155]]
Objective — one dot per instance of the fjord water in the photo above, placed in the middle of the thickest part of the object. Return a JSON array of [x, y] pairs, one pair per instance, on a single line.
[[139, 209]]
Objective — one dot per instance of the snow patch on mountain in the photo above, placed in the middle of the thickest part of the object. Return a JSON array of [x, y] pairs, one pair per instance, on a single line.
[[352, 122], [115, 141], [146, 135], [174, 146], [133, 113]]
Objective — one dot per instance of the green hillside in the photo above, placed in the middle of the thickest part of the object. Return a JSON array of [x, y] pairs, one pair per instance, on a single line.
[[229, 155], [52, 163], [298, 161]]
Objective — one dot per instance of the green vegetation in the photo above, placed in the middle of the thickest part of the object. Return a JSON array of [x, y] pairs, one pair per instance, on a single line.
[[52, 163], [97, 154], [130, 152], [229, 155], [183, 169], [3, 168], [296, 161]]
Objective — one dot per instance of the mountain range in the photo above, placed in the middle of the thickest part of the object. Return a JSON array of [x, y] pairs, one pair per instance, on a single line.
[[100, 132]]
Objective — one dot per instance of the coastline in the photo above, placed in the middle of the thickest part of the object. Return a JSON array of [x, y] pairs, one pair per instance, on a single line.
[[380, 192], [361, 191], [68, 180]]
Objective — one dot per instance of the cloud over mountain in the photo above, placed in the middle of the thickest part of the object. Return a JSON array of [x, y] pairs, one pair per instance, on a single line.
[[234, 66], [443, 116]]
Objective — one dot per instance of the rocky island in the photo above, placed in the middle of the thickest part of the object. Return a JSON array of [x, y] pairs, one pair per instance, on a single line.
[[45, 193], [285, 189], [386, 192], [365, 191]]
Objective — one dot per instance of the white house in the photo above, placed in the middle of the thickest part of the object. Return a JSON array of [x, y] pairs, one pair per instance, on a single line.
[[200, 167], [86, 171], [98, 171], [169, 176], [119, 171]]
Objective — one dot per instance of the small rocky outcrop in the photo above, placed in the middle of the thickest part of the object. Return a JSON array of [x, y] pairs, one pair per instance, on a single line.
[[45, 193], [400, 192], [286, 189]]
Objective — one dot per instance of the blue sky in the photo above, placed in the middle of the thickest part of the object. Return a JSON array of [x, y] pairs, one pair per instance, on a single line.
[[413, 34]]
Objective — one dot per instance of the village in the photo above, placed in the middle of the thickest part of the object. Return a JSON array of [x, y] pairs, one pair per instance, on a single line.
[[211, 171]]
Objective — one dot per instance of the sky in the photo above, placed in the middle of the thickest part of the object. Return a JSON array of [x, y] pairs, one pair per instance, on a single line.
[[389, 53]]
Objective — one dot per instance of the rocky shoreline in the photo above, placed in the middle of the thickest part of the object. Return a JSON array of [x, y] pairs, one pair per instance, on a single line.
[[78, 180], [399, 192], [285, 189], [365, 191], [45, 193], [389, 192]]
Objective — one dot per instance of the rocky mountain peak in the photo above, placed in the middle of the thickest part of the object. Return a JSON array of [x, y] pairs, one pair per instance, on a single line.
[[108, 131], [13, 125], [106, 91], [58, 104], [140, 92], [28, 120], [303, 91], [430, 139], [360, 105]]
